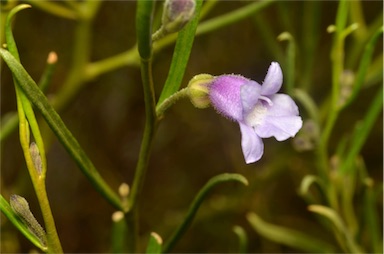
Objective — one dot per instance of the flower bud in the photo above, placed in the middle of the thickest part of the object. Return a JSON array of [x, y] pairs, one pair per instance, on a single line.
[[20, 207], [198, 88], [176, 14], [124, 190], [36, 158]]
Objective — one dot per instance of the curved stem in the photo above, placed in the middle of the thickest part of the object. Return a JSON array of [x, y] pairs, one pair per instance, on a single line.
[[167, 103], [199, 198]]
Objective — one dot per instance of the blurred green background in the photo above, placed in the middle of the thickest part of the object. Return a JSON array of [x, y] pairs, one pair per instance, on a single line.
[[192, 145]]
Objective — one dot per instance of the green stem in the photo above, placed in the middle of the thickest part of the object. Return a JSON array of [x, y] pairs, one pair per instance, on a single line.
[[80, 55], [243, 239], [38, 182], [149, 131], [25, 112], [131, 57], [54, 9], [144, 14], [180, 56], [337, 57], [362, 131], [290, 62], [200, 197], [310, 40], [167, 103], [35, 95], [232, 17]]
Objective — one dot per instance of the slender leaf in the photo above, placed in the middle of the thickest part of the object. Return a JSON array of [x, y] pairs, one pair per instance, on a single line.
[[13, 218], [290, 237], [180, 56], [243, 239], [197, 202], [364, 66], [338, 222], [36, 96], [144, 15], [154, 244], [362, 131], [119, 233]]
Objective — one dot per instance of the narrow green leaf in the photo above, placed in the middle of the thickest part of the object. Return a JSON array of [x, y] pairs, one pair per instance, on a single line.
[[372, 217], [362, 131], [154, 244], [199, 198], [290, 237], [144, 14], [308, 181], [36, 96], [243, 239], [14, 219], [290, 62], [364, 66], [119, 233], [339, 224], [11, 45], [180, 56]]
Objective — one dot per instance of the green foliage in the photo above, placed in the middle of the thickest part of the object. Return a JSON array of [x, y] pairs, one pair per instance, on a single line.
[[336, 169]]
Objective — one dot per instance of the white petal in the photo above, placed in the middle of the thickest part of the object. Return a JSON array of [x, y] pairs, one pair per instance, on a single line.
[[280, 127], [251, 144], [273, 80]]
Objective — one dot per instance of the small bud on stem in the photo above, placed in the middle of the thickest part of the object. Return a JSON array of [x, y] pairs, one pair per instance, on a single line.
[[20, 207]]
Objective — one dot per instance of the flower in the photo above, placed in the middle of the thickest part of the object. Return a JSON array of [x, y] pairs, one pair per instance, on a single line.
[[260, 111]]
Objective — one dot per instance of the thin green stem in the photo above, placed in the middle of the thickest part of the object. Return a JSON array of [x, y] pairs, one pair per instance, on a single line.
[[243, 239], [80, 55], [127, 58], [144, 14], [195, 205], [131, 56], [362, 131], [35, 95], [337, 58], [25, 112], [232, 17], [310, 40], [180, 56], [38, 181], [167, 103], [54, 9], [149, 131], [290, 62]]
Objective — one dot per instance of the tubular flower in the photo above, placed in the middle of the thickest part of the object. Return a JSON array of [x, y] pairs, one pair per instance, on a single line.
[[260, 111]]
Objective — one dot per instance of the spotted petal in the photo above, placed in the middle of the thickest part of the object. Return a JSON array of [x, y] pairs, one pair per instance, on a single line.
[[252, 144]]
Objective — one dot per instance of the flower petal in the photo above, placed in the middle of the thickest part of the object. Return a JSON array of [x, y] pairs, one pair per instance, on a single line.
[[273, 80], [251, 144], [224, 94], [249, 94], [282, 105], [280, 127], [281, 119]]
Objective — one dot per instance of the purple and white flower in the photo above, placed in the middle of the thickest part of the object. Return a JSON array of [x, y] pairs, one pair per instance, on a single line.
[[260, 111]]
